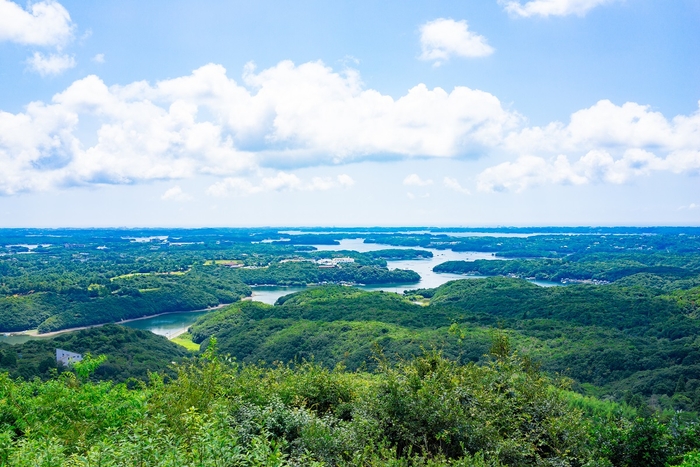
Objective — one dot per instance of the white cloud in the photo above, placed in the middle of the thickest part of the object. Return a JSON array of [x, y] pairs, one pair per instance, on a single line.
[[345, 180], [282, 181], [99, 58], [444, 38], [596, 166], [615, 143], [454, 185], [608, 125], [175, 194], [45, 23], [307, 115], [54, 64], [551, 7], [241, 186], [207, 123], [415, 180]]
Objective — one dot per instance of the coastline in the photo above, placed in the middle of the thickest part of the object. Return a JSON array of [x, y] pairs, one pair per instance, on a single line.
[[35, 334]]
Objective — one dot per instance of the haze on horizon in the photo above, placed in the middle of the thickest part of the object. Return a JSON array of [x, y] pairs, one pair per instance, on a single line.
[[213, 113]]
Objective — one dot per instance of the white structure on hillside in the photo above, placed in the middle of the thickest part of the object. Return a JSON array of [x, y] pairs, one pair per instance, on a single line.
[[333, 262], [67, 358]]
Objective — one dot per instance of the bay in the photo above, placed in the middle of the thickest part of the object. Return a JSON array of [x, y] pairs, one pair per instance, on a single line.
[[173, 324]]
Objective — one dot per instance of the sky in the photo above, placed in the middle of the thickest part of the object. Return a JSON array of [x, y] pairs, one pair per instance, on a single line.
[[349, 113]]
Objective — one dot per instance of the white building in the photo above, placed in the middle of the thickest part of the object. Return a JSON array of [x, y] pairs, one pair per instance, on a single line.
[[333, 262], [67, 358]]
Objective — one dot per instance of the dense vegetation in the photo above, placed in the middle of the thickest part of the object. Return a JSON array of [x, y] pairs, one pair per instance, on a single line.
[[131, 354], [685, 243], [428, 411], [613, 341], [52, 280], [303, 273], [659, 271], [334, 375]]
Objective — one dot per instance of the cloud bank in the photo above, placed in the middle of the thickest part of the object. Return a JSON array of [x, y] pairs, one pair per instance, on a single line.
[[308, 115], [618, 143], [443, 38], [207, 123]]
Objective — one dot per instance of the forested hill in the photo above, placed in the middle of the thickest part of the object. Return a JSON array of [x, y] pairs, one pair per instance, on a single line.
[[667, 272], [423, 412], [480, 372], [130, 354], [609, 339]]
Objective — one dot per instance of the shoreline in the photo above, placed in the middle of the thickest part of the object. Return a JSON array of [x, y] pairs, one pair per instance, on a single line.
[[35, 334]]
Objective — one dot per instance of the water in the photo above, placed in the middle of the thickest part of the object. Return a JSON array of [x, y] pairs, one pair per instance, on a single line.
[[270, 294], [169, 325], [424, 267], [176, 323], [173, 324]]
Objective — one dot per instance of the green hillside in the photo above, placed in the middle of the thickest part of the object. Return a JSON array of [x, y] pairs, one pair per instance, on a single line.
[[427, 411], [610, 340], [130, 353]]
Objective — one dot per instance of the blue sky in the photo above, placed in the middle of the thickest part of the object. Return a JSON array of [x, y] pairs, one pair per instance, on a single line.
[[483, 112]]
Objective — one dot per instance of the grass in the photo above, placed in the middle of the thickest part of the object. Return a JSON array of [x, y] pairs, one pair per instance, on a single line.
[[185, 340]]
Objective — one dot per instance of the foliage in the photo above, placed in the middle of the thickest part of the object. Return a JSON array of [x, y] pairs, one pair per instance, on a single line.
[[610, 340], [428, 411], [130, 354]]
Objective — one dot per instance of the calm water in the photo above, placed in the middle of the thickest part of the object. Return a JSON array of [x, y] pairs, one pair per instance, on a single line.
[[170, 325], [270, 294], [173, 324], [424, 267]]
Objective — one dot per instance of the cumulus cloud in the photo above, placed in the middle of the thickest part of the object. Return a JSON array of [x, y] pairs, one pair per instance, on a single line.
[[291, 116], [454, 185], [53, 64], [444, 38], [282, 181], [207, 123], [617, 143], [99, 58], [609, 125], [175, 194], [415, 180], [44, 23], [551, 7], [596, 166]]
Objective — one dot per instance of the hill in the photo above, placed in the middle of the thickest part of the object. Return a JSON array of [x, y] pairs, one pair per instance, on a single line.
[[131, 353], [611, 340]]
